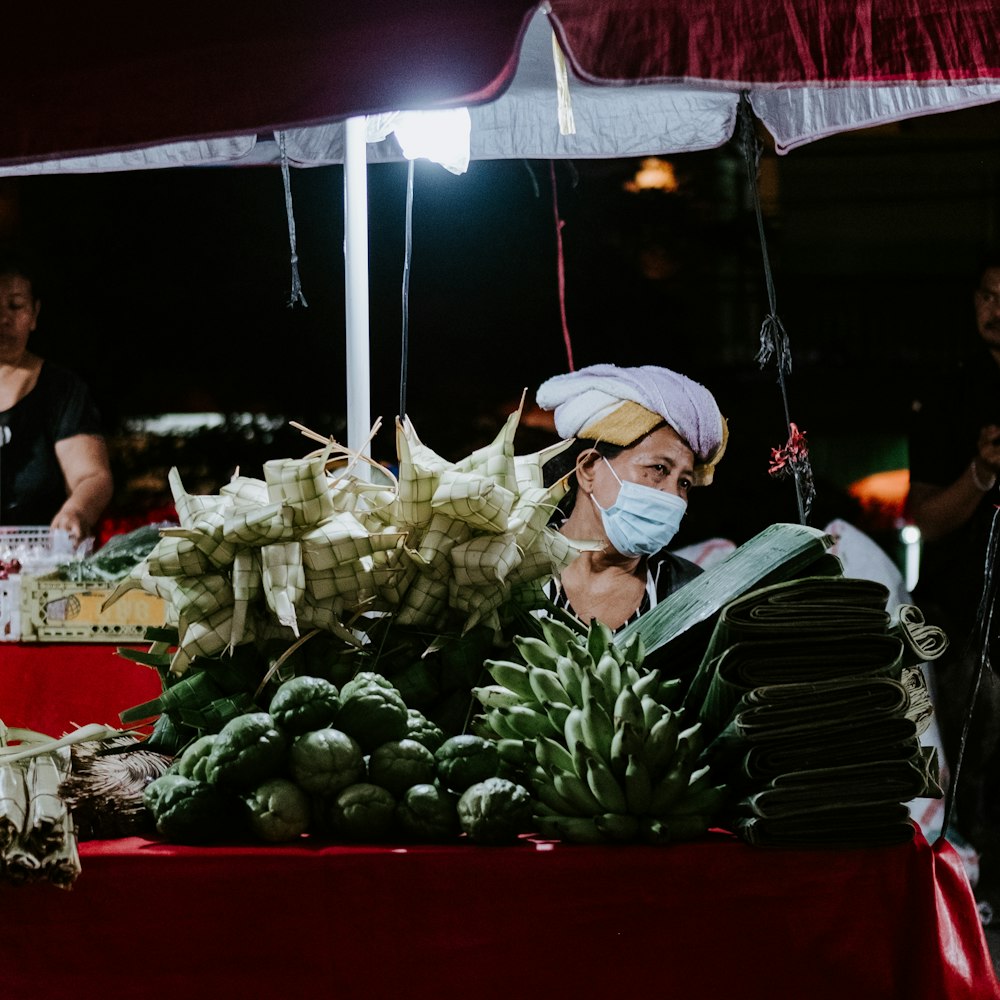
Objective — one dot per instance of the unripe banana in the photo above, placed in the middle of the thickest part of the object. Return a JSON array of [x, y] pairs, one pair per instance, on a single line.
[[511, 675], [652, 711], [557, 711], [617, 652], [618, 827], [628, 708], [638, 786], [559, 635], [670, 692], [545, 792], [701, 778], [573, 829], [496, 696], [668, 790], [672, 831], [573, 729], [598, 729], [687, 827], [654, 831], [527, 722], [577, 792], [629, 674], [648, 684], [503, 729], [609, 673], [515, 752], [599, 637], [580, 655], [604, 785], [570, 675], [551, 754], [536, 652], [635, 650], [661, 744], [546, 686], [693, 737], [706, 802], [625, 743]]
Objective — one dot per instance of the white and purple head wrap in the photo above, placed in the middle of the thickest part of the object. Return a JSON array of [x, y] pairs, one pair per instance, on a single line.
[[621, 405]]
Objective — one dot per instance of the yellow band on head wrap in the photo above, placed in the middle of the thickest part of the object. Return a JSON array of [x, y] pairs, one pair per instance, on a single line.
[[632, 421], [624, 426]]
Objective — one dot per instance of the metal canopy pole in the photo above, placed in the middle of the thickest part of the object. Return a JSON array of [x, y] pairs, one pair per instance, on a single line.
[[356, 288]]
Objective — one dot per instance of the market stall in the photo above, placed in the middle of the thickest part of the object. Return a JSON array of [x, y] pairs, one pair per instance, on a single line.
[[709, 913]]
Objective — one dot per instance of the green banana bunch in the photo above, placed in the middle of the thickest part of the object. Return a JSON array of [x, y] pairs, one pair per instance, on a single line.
[[609, 758]]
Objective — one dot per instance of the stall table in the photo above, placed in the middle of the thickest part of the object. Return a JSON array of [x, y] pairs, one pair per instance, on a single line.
[[715, 918]]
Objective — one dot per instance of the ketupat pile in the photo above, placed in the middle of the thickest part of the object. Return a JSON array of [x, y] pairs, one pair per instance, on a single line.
[[605, 750], [310, 548]]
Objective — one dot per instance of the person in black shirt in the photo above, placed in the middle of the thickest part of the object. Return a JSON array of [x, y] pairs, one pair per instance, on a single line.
[[54, 467], [954, 446]]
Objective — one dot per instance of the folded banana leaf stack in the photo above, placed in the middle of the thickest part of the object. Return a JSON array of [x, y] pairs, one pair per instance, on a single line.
[[812, 701]]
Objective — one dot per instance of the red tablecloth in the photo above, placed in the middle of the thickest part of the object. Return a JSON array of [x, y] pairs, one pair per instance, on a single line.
[[52, 687], [716, 919]]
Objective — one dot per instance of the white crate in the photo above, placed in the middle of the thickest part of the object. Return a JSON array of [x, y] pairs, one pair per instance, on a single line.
[[37, 549], [10, 609]]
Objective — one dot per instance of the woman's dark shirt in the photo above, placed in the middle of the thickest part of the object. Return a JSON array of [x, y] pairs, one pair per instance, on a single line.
[[32, 487]]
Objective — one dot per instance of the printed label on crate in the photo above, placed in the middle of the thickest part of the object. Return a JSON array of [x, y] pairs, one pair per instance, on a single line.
[[58, 610]]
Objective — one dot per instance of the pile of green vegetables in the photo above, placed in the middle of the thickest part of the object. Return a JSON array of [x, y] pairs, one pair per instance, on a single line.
[[351, 764]]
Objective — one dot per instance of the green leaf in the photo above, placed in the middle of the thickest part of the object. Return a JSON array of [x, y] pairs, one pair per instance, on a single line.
[[779, 552]]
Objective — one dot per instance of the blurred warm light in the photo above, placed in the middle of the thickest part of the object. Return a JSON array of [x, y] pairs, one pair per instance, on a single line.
[[882, 495], [653, 174]]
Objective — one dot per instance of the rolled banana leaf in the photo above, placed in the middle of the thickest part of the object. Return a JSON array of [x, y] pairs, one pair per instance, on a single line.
[[845, 827], [811, 609], [795, 662], [876, 781]]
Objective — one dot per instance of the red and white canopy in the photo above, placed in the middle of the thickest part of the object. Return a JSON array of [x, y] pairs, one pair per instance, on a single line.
[[130, 86]]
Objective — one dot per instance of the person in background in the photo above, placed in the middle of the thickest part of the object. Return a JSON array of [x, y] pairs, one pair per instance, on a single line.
[[54, 467], [646, 436], [954, 445]]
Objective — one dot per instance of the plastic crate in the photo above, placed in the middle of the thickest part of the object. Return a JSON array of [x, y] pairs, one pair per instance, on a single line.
[[35, 549], [54, 610], [10, 609]]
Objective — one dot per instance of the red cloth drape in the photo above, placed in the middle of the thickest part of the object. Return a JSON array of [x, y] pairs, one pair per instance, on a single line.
[[781, 42], [713, 919]]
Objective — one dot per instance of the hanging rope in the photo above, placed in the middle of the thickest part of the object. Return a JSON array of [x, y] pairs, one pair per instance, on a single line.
[[984, 618], [560, 265], [407, 253], [296, 294], [792, 458]]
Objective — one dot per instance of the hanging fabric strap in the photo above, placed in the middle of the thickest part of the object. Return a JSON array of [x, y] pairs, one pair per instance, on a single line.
[[984, 618], [567, 123], [407, 254], [296, 294], [560, 265], [773, 339]]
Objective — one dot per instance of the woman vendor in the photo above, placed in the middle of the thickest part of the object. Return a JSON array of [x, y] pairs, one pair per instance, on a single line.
[[54, 467], [645, 437]]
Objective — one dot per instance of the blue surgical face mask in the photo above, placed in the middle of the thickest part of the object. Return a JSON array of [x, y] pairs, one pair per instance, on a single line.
[[642, 520]]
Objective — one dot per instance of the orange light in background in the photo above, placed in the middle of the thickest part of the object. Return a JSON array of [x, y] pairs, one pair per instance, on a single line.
[[653, 174], [882, 496]]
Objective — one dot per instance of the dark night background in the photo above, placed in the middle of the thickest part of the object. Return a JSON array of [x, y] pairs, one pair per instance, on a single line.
[[167, 290]]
